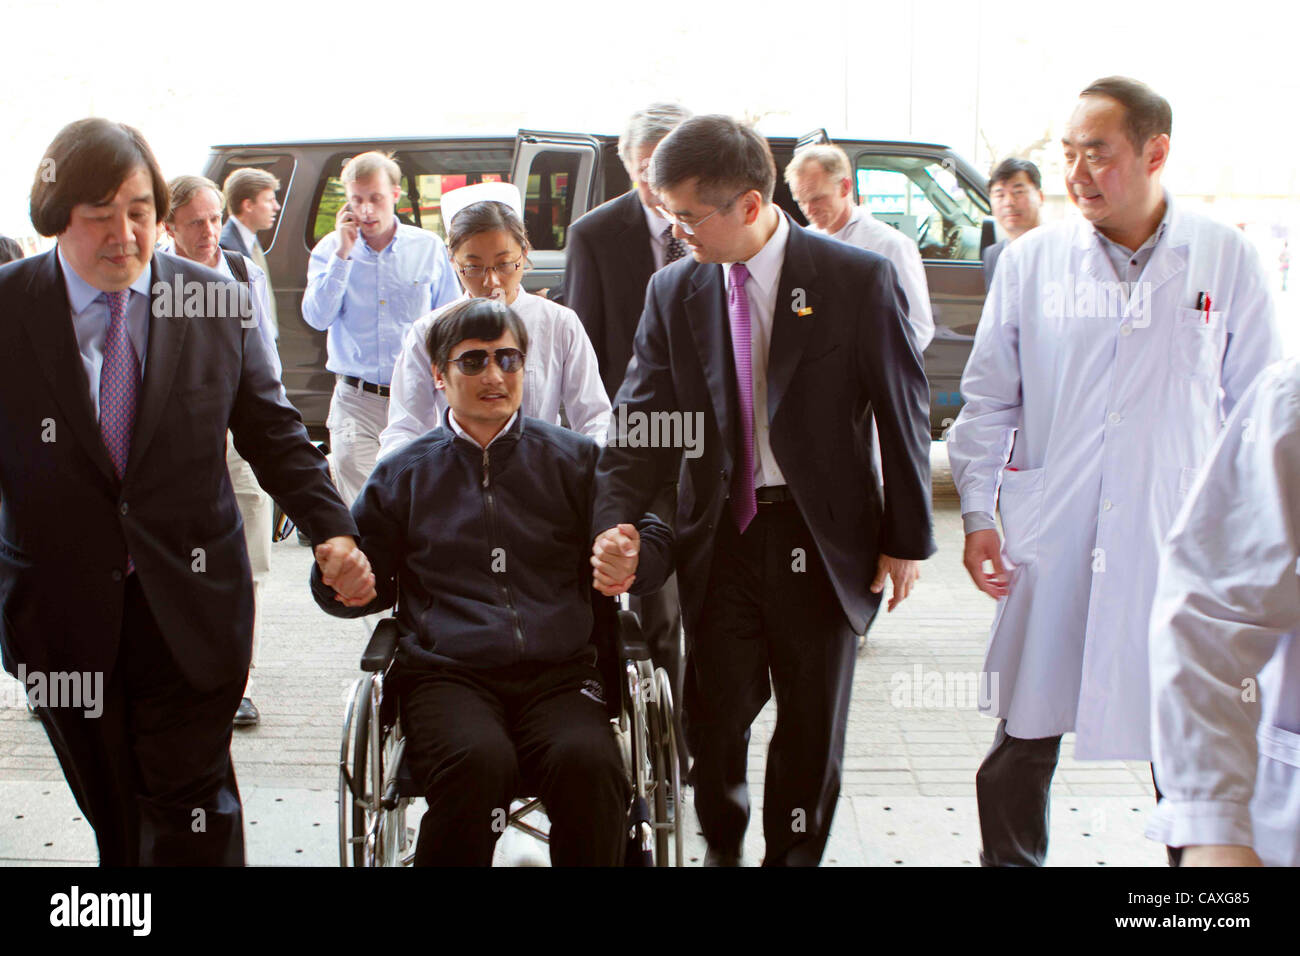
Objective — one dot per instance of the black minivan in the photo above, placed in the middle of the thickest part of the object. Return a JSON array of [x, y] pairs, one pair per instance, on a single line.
[[925, 190]]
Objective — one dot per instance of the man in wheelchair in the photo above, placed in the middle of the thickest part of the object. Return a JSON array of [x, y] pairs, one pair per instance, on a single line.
[[478, 531]]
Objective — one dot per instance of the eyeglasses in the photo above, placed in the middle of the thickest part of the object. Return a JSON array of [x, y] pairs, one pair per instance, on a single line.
[[690, 227], [505, 269], [475, 361]]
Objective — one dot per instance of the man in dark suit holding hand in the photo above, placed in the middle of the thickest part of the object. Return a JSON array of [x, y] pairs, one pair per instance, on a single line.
[[781, 344], [610, 255], [122, 558]]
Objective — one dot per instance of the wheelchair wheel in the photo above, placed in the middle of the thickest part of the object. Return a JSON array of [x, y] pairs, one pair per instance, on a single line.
[[353, 775], [372, 817], [667, 773]]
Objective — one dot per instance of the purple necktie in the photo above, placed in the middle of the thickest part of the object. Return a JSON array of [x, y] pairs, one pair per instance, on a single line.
[[119, 385], [743, 504]]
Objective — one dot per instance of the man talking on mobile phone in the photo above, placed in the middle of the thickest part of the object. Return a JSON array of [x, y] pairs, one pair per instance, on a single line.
[[367, 281]]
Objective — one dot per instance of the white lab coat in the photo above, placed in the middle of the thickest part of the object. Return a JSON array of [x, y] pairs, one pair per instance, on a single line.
[[560, 371], [1227, 614], [1111, 404]]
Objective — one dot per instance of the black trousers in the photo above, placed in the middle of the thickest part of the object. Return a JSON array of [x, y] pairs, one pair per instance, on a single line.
[[771, 623], [1012, 789], [152, 773], [477, 739]]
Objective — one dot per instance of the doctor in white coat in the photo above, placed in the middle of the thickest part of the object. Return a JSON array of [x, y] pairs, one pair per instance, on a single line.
[[1108, 354], [489, 250], [1225, 644]]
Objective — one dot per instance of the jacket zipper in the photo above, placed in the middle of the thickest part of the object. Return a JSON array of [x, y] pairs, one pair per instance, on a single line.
[[489, 502]]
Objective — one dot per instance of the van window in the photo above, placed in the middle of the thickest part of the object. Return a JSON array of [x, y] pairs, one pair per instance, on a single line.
[[548, 202], [924, 199], [426, 175], [279, 165]]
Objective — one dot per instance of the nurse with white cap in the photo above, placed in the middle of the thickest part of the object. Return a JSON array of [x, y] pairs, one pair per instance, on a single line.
[[489, 250]]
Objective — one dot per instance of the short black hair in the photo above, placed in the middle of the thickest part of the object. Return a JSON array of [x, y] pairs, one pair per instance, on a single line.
[[1010, 167], [1146, 112], [9, 250], [87, 163], [724, 156], [485, 319]]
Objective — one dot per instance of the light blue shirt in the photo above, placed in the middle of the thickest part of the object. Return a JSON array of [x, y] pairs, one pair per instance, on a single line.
[[369, 300], [89, 308]]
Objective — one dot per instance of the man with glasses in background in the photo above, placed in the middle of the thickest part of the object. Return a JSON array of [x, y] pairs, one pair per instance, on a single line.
[[779, 339], [368, 280]]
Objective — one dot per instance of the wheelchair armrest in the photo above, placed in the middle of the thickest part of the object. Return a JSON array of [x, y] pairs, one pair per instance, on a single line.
[[383, 645], [631, 644]]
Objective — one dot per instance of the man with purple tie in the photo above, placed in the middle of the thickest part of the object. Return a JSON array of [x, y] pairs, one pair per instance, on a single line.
[[122, 562], [782, 344]]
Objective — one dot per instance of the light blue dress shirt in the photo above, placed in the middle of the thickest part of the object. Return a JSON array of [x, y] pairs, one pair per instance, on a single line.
[[369, 300], [89, 308]]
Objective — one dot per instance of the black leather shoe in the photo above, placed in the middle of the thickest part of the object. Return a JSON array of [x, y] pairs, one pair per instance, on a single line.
[[717, 858], [246, 715]]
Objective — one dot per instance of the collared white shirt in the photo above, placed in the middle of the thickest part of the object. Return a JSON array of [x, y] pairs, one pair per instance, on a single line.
[[455, 426], [658, 244], [760, 288], [560, 372], [867, 232], [249, 237]]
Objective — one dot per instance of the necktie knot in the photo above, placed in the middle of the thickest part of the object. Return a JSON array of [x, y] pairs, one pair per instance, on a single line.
[[117, 303], [739, 273]]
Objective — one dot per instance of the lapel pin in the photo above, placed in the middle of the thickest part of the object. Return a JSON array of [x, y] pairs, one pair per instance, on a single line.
[[804, 311]]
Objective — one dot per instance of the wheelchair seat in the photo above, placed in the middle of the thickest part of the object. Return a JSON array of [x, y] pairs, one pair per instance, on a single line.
[[376, 785]]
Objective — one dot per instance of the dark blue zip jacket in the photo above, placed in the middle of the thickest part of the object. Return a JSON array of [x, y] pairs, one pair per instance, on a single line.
[[487, 553]]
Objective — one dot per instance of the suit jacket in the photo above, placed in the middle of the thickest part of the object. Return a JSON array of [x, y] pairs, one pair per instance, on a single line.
[[608, 262], [990, 258], [828, 370], [67, 522], [233, 239]]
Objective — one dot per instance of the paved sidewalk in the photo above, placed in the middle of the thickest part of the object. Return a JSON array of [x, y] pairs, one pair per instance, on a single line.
[[909, 784]]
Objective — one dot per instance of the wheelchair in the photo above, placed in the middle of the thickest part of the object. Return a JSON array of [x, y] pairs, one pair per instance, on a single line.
[[376, 787]]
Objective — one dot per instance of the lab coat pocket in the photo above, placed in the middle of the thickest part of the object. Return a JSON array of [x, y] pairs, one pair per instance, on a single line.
[[1197, 348], [1020, 503]]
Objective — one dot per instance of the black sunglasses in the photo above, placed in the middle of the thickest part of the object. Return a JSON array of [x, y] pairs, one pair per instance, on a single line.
[[475, 361]]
